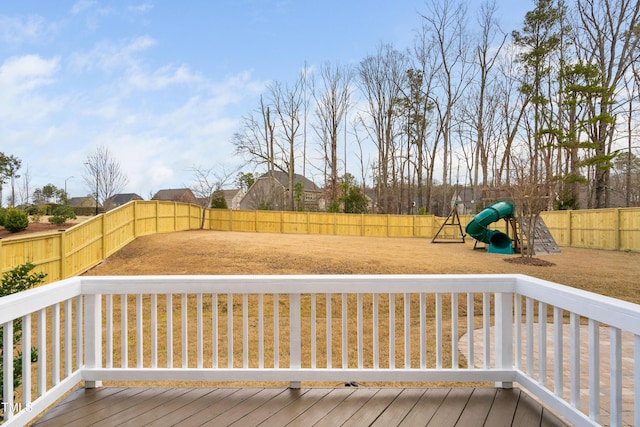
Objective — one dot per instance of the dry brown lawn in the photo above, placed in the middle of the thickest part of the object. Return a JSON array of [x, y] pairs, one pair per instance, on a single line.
[[609, 273]]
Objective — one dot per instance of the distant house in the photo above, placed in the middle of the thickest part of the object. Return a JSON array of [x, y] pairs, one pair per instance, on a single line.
[[120, 199], [272, 193], [233, 198], [202, 201], [82, 202], [183, 195], [464, 198]]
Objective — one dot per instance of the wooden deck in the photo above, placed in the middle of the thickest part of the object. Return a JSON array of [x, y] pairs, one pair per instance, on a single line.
[[348, 406]]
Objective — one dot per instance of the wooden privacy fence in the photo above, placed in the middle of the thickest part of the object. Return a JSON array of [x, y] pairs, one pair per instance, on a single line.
[[370, 225], [73, 251], [68, 253], [613, 229]]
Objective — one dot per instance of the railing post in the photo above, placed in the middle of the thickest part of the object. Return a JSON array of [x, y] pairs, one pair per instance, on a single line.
[[7, 370], [92, 336], [504, 334], [295, 340]]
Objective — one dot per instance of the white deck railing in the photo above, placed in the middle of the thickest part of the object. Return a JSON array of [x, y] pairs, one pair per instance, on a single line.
[[407, 328]]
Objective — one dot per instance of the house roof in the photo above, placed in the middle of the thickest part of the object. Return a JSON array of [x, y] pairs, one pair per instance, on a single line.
[[81, 201], [283, 179], [230, 194], [175, 195], [121, 199]]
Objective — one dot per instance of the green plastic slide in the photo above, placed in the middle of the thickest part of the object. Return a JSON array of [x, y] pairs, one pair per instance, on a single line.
[[499, 242]]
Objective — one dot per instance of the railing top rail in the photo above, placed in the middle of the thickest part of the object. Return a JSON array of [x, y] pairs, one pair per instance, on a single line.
[[618, 313], [29, 301], [297, 284], [611, 311]]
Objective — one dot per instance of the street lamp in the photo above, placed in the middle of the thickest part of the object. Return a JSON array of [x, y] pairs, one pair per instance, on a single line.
[[65, 186]]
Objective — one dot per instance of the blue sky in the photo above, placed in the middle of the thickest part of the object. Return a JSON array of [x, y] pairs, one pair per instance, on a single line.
[[163, 84]]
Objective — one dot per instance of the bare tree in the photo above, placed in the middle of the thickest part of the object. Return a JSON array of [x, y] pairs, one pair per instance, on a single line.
[[332, 104], [381, 78], [24, 190], [255, 140], [103, 175], [289, 103], [206, 182], [512, 103], [486, 56], [446, 21], [530, 197], [420, 105]]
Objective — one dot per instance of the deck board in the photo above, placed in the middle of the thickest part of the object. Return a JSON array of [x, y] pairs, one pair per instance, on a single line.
[[426, 407], [451, 410], [368, 413], [503, 408], [399, 408], [324, 406], [345, 410], [476, 411], [228, 407], [289, 413], [167, 406]]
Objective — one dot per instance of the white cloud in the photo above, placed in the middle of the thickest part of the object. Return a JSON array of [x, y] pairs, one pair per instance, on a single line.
[[82, 5], [20, 79], [110, 57], [161, 78], [17, 31], [141, 8], [23, 73]]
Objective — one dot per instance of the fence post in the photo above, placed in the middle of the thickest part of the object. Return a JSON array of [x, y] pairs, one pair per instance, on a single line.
[[294, 336], [570, 227], [104, 237], [135, 219], [157, 215], [504, 334], [388, 225], [63, 255], [92, 336], [175, 216], [616, 225]]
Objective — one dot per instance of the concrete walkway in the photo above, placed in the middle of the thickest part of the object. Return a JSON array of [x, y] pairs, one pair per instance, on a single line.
[[627, 366]]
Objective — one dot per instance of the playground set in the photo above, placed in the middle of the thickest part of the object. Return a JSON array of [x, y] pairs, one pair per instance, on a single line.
[[514, 239]]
